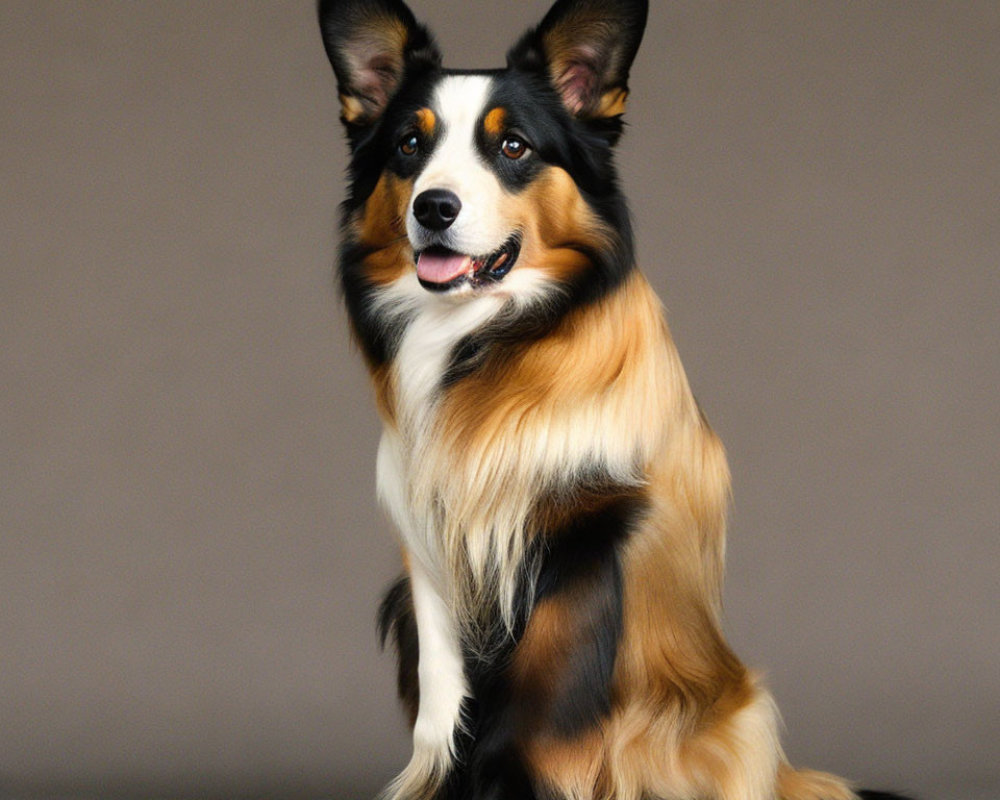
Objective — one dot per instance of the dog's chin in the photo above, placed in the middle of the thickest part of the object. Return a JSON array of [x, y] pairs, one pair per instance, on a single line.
[[440, 269]]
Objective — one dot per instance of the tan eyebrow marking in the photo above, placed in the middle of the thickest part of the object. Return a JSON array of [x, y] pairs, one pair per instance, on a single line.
[[494, 122], [426, 121]]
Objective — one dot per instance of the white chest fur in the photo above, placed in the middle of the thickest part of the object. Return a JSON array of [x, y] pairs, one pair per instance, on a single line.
[[436, 326]]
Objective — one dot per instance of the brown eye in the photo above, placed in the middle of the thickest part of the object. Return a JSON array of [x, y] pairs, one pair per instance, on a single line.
[[409, 144], [513, 147]]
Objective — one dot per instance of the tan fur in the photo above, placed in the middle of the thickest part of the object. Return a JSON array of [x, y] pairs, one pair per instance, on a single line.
[[381, 225], [612, 103], [495, 121], [426, 121], [385, 393], [351, 109], [808, 784], [570, 769], [543, 650], [557, 221]]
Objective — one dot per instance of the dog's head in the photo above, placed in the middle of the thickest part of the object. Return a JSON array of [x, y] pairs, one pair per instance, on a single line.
[[465, 183]]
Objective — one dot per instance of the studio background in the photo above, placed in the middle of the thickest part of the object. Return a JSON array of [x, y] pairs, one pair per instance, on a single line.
[[191, 553]]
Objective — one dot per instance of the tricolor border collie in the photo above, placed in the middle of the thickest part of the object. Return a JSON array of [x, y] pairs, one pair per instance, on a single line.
[[560, 498]]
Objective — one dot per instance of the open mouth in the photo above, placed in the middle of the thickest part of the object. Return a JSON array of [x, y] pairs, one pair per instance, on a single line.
[[440, 269]]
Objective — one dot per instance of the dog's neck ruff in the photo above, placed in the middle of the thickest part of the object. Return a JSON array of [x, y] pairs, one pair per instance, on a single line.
[[462, 471]]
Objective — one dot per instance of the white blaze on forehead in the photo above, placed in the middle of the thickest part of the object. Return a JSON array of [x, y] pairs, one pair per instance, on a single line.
[[459, 102]]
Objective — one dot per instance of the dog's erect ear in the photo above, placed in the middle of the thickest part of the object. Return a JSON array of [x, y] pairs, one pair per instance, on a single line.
[[586, 47], [371, 44]]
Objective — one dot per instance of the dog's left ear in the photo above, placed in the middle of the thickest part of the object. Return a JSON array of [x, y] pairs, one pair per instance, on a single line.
[[586, 47]]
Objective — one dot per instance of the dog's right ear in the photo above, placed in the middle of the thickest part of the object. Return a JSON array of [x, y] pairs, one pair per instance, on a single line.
[[372, 44]]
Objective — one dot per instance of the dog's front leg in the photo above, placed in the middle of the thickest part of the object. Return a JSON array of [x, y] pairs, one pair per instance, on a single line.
[[442, 689]]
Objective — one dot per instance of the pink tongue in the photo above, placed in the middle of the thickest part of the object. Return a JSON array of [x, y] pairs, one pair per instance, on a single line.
[[441, 268]]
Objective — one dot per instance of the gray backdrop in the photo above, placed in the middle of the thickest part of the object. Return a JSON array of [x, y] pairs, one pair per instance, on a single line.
[[191, 550]]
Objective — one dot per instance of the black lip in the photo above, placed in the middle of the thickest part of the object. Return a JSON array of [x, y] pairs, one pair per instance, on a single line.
[[487, 270]]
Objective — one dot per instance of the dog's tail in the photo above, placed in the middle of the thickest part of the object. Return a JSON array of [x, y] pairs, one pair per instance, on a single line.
[[807, 784]]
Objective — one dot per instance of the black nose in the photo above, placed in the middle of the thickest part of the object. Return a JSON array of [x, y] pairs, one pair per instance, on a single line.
[[436, 208]]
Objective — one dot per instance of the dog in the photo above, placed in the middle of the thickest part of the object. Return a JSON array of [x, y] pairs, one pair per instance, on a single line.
[[560, 498]]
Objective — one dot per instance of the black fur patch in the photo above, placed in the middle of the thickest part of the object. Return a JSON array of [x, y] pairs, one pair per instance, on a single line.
[[396, 619], [377, 336], [580, 558], [582, 562]]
